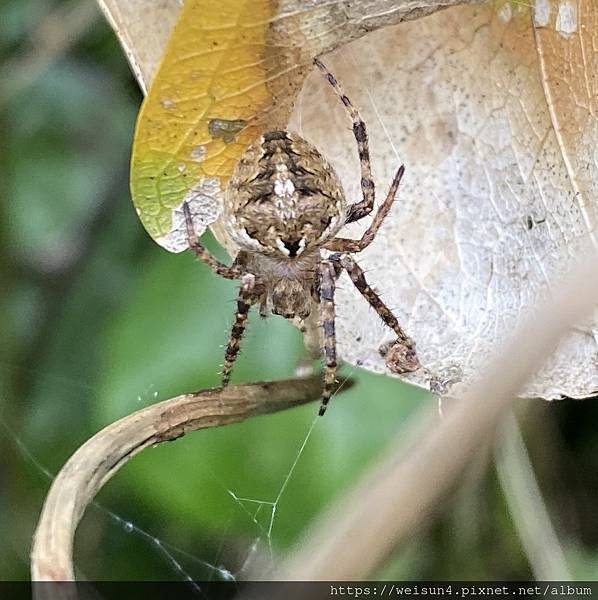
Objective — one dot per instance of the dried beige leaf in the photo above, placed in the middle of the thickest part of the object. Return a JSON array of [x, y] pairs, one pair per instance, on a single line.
[[493, 111], [143, 28], [495, 119]]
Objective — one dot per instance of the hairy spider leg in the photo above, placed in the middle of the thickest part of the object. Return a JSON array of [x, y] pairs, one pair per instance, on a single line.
[[358, 278], [349, 245], [327, 287], [364, 207], [202, 253], [244, 301]]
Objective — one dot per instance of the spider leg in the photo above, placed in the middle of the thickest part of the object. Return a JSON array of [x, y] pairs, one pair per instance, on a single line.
[[348, 245], [358, 278], [327, 287], [244, 302], [202, 253], [364, 207]]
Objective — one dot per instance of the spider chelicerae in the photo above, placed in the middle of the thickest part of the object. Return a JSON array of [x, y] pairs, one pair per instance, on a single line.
[[283, 206]]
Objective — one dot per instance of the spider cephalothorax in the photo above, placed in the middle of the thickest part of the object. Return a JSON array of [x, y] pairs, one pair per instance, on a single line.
[[284, 205]]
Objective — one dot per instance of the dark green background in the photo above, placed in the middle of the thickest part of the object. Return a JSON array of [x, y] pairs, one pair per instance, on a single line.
[[97, 321]]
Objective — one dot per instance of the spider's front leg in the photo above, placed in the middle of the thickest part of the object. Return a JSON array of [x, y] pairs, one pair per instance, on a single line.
[[401, 356], [327, 286], [202, 253], [244, 301], [365, 206], [348, 245]]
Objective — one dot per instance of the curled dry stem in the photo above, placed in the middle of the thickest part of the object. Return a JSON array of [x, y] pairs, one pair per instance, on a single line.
[[94, 463]]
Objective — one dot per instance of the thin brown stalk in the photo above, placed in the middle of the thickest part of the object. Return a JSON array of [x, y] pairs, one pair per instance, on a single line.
[[528, 510], [105, 453]]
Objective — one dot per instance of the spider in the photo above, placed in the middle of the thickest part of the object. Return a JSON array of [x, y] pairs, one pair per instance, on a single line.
[[283, 206]]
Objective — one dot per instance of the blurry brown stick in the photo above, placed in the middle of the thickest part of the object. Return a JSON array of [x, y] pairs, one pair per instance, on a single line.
[[359, 532], [105, 453]]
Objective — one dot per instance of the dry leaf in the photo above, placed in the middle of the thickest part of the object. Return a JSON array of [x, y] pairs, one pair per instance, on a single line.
[[495, 119], [143, 28], [493, 111]]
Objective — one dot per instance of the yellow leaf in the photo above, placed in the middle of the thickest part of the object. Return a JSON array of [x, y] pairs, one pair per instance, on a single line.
[[200, 114]]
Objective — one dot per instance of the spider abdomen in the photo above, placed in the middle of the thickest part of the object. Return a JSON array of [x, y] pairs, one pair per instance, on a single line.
[[284, 198]]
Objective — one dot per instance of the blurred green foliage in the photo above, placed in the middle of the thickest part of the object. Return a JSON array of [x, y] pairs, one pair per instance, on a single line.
[[97, 321]]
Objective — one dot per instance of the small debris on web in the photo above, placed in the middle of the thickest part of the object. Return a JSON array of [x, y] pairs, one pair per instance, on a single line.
[[400, 356], [304, 368]]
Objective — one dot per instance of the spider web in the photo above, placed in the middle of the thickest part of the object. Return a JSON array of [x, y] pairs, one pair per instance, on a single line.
[[186, 566], [167, 551], [271, 506]]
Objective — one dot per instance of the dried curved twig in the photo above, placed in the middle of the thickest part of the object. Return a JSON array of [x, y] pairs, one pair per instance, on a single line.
[[94, 463]]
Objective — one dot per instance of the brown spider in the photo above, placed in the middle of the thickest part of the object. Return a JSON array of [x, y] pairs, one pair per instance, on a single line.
[[283, 206]]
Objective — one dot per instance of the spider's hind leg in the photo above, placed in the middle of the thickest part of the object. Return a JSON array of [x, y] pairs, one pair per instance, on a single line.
[[244, 301]]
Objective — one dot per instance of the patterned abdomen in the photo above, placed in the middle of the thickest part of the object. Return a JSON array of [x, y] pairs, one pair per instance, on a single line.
[[284, 197]]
